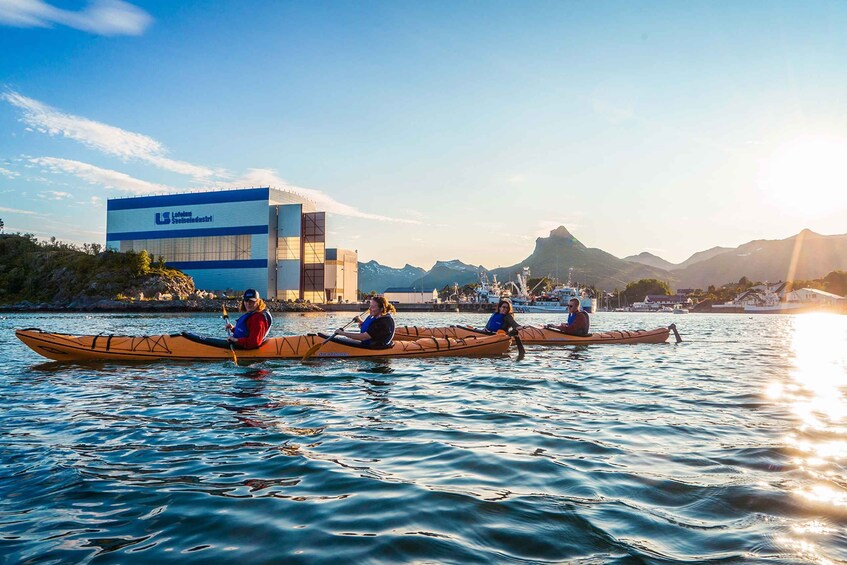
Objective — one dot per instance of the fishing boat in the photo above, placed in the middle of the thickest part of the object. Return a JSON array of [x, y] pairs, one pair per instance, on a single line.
[[490, 292], [189, 347], [546, 335], [554, 301]]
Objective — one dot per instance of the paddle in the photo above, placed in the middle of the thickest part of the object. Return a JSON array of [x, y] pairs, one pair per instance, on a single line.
[[519, 343], [312, 350], [229, 331]]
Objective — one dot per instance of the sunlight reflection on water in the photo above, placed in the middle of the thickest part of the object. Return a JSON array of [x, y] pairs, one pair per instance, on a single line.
[[813, 392]]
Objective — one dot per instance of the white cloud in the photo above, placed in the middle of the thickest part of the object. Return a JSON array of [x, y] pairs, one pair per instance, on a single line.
[[97, 175], [111, 140], [54, 195], [269, 177], [16, 211], [7, 173], [101, 17]]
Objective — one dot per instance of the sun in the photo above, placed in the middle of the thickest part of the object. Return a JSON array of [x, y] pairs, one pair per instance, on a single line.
[[806, 176]]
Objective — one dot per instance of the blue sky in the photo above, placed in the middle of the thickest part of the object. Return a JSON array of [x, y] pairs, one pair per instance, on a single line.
[[436, 130]]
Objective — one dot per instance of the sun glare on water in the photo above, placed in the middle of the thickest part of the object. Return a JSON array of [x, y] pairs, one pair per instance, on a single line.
[[814, 391], [806, 176]]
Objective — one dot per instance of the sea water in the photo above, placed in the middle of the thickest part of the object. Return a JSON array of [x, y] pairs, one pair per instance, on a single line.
[[730, 446]]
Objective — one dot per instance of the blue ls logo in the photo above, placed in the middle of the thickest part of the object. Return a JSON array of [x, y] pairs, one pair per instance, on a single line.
[[163, 218]]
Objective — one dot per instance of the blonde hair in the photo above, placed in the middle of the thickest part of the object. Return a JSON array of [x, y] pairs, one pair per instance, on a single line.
[[384, 305]]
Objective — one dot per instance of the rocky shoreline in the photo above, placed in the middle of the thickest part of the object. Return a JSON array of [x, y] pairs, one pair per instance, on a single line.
[[152, 306]]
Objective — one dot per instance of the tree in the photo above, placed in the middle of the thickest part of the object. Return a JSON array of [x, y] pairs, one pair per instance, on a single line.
[[2, 225], [636, 291], [836, 283]]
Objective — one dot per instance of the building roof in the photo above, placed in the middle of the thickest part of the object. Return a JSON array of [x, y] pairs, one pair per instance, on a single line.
[[408, 289], [818, 292], [663, 298]]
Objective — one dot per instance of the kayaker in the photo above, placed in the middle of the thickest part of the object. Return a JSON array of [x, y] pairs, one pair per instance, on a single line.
[[378, 328], [503, 318], [578, 322], [251, 329]]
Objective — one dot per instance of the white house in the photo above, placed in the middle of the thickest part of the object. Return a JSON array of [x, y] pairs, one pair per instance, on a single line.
[[812, 296]]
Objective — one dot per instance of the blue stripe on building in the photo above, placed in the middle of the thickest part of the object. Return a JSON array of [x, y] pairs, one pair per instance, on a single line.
[[240, 195], [168, 234], [239, 264]]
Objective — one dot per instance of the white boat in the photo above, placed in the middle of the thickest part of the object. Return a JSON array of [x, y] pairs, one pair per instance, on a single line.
[[554, 301], [680, 310], [489, 292]]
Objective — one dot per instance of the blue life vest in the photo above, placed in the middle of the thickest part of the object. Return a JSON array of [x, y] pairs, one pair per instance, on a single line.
[[571, 318], [495, 322], [240, 329], [367, 323]]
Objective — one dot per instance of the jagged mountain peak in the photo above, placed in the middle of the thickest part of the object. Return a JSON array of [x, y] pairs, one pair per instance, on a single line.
[[559, 237], [456, 264], [562, 232]]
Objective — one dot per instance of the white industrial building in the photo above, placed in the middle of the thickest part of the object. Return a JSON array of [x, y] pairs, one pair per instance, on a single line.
[[262, 238], [342, 275], [408, 295]]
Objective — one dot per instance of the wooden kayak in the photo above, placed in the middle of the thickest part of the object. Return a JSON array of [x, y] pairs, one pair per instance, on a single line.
[[189, 347], [531, 335]]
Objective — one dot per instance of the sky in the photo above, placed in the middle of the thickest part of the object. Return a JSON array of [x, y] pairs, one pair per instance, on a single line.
[[436, 130]]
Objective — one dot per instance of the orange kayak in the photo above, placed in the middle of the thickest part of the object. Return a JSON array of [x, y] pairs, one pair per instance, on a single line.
[[188, 347], [531, 335]]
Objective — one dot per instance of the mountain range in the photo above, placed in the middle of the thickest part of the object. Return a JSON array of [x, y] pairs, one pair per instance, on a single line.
[[807, 255]]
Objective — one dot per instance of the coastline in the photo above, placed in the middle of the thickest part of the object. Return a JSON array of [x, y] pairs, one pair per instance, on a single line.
[[152, 306]]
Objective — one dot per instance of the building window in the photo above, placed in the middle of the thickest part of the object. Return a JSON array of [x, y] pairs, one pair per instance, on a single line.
[[288, 248], [181, 249], [313, 252]]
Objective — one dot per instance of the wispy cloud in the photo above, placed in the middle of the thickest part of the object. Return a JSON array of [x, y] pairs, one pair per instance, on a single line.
[[111, 140], [269, 177], [54, 195], [135, 146], [16, 211], [8, 174], [97, 175], [101, 17]]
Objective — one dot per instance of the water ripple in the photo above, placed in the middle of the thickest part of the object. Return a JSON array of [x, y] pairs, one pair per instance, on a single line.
[[729, 447]]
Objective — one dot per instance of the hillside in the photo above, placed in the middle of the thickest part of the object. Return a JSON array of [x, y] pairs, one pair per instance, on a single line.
[[701, 256], [554, 255], [651, 260], [376, 277], [771, 260], [446, 273], [58, 273], [647, 258]]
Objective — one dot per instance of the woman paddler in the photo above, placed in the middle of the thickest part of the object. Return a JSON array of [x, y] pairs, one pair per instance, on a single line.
[[377, 330], [503, 318], [251, 329]]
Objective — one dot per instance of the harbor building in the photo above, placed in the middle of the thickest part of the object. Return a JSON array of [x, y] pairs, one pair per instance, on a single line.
[[342, 275], [409, 295], [263, 238]]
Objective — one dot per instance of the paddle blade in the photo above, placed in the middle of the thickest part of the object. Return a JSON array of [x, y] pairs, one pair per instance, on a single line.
[[311, 351], [519, 344]]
